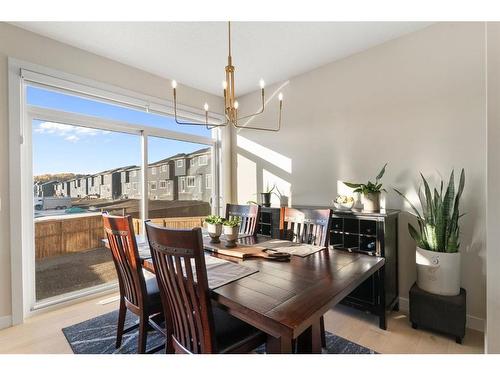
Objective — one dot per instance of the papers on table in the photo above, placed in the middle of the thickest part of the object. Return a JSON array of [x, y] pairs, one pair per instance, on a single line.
[[293, 248]]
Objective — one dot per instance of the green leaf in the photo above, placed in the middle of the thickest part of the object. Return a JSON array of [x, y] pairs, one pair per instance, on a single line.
[[409, 202], [415, 234], [352, 185], [381, 173]]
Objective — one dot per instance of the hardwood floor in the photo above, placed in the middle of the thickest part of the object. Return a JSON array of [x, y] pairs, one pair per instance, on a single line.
[[399, 338], [42, 333]]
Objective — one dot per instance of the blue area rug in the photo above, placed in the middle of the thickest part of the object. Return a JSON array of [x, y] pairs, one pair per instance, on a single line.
[[98, 336]]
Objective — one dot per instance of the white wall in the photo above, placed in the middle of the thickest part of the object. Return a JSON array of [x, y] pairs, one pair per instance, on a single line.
[[24, 45], [417, 102], [493, 267]]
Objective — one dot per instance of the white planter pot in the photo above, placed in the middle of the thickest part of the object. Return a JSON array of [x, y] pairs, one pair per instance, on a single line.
[[438, 273], [214, 231], [371, 202], [231, 233], [283, 201]]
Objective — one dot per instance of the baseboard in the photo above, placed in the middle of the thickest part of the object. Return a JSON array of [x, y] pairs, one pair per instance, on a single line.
[[472, 322], [5, 321]]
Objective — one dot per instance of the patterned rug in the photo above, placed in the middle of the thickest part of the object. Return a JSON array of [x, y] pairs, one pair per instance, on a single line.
[[98, 335]]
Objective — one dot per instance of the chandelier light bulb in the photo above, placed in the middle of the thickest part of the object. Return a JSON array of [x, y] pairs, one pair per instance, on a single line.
[[224, 85], [174, 84], [261, 83], [206, 107], [280, 97], [236, 105]]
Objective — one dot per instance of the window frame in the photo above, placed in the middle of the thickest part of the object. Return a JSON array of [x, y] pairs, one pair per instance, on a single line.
[[21, 74], [200, 159], [188, 178]]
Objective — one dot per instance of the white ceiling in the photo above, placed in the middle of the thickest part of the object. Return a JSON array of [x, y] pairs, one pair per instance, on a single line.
[[195, 53]]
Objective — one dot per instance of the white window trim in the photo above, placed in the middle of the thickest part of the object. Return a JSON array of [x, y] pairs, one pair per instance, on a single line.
[[208, 181], [202, 157], [179, 163], [21, 208], [153, 171], [163, 184], [191, 178], [164, 168], [151, 184]]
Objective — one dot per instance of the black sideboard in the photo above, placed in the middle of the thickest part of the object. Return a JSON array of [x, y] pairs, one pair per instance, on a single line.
[[374, 234]]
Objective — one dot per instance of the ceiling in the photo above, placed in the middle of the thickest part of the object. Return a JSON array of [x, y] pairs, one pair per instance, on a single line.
[[195, 53]]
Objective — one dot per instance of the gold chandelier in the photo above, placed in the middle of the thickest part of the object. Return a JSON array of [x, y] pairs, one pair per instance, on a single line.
[[230, 103]]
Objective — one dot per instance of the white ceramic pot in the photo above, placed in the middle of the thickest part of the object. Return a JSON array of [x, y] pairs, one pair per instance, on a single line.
[[438, 273], [283, 201], [231, 233], [371, 202], [214, 231]]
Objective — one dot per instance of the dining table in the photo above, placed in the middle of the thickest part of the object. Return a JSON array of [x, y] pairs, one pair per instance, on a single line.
[[287, 299]]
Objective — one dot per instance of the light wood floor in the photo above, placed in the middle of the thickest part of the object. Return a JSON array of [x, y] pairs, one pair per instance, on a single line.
[[42, 333]]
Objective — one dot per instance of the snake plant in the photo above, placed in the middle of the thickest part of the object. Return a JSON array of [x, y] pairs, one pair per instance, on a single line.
[[439, 229]]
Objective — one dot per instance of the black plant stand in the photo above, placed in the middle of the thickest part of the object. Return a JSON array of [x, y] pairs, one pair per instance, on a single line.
[[443, 314]]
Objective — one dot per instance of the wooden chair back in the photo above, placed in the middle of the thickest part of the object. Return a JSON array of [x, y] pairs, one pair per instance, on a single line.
[[180, 269], [306, 225], [121, 237], [249, 215]]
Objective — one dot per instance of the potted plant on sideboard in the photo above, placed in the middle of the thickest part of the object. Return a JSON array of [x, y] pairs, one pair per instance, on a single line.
[[265, 197], [438, 237], [231, 229], [214, 227], [370, 192]]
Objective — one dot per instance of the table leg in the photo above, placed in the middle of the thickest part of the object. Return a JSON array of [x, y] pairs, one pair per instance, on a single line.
[[310, 341], [279, 345]]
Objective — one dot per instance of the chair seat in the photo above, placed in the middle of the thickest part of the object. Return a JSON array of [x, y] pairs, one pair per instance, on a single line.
[[232, 334]]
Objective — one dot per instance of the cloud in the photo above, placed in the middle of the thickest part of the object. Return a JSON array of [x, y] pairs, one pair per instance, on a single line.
[[72, 138], [69, 132]]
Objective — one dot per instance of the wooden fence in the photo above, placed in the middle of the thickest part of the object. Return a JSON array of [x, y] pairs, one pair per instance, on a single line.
[[63, 235], [172, 223]]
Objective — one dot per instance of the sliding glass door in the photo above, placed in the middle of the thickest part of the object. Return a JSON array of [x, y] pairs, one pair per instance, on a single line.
[[78, 172], [85, 159]]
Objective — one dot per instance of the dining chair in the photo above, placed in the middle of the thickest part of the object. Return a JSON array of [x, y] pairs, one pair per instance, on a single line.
[[249, 215], [196, 324], [311, 226], [138, 294]]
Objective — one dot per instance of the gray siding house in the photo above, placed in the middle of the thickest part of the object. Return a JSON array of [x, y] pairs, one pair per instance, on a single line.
[[179, 177]]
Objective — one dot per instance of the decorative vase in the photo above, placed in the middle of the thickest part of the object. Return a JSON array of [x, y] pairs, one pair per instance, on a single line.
[[438, 273], [283, 201], [231, 235], [371, 202], [265, 199], [214, 231]]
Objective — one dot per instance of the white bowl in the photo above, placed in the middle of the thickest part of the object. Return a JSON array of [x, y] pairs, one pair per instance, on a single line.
[[343, 206]]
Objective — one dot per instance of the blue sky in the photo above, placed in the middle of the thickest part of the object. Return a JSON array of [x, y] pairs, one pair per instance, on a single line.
[[64, 148]]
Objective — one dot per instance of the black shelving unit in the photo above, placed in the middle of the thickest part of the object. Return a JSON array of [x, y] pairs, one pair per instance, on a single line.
[[373, 234], [269, 222]]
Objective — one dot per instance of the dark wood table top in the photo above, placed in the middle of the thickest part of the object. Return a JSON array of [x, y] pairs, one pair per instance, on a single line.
[[283, 299], [286, 297]]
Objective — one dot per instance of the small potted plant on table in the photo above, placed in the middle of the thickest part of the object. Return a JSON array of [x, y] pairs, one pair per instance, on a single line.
[[370, 192], [437, 237], [231, 229], [214, 227]]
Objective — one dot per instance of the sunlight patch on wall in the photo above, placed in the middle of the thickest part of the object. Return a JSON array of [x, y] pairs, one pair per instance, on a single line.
[[284, 187], [247, 180], [273, 157]]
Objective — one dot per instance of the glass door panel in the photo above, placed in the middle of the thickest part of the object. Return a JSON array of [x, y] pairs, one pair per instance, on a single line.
[[181, 183], [78, 172]]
